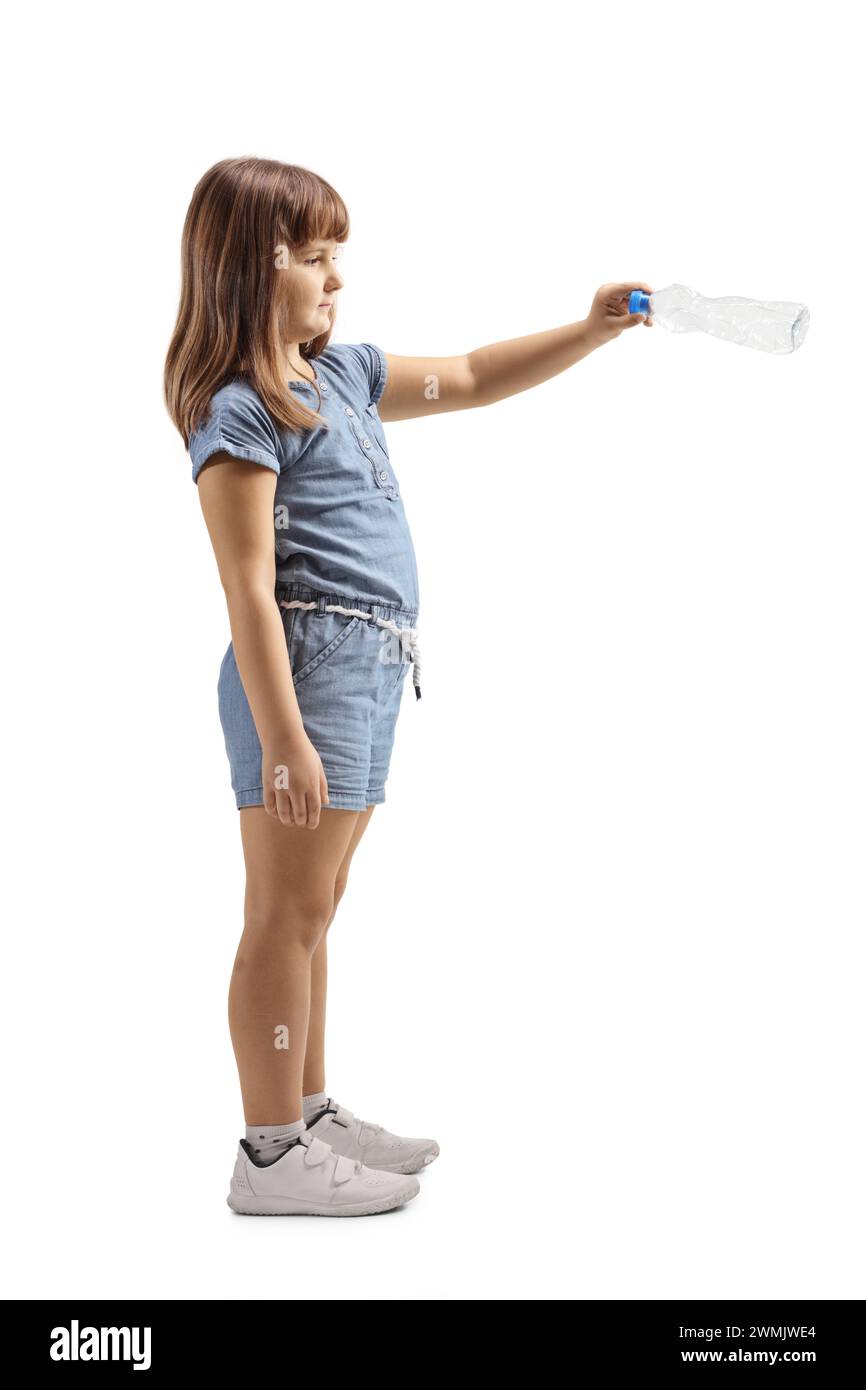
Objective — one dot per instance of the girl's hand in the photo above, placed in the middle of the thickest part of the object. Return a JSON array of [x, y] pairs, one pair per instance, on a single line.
[[609, 314], [294, 783]]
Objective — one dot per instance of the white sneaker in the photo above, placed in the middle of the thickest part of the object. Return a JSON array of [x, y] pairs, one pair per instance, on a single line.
[[310, 1179], [373, 1145]]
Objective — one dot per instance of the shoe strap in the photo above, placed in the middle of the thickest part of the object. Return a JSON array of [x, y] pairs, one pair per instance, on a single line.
[[345, 1169], [343, 1117], [317, 1150]]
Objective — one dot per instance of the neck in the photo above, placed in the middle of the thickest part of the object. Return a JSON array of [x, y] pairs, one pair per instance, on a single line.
[[292, 365]]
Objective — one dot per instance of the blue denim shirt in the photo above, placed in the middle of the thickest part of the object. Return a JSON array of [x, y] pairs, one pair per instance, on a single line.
[[339, 523]]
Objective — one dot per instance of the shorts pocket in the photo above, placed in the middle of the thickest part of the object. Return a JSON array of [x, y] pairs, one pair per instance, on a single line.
[[313, 638]]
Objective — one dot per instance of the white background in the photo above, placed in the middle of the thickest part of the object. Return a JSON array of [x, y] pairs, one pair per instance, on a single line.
[[604, 940]]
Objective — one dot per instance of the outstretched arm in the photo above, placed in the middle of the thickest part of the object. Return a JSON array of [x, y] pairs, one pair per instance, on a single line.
[[432, 385]]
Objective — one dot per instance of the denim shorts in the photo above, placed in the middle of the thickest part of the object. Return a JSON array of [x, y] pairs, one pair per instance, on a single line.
[[348, 674]]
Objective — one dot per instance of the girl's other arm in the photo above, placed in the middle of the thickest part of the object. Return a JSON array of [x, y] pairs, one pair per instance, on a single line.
[[432, 385], [237, 499]]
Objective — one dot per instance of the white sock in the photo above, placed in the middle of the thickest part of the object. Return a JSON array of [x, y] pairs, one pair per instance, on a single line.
[[312, 1104], [270, 1142]]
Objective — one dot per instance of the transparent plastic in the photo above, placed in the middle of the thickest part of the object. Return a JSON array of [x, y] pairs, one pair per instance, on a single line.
[[769, 325]]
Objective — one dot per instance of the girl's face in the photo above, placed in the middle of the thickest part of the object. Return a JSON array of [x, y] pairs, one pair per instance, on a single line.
[[316, 282]]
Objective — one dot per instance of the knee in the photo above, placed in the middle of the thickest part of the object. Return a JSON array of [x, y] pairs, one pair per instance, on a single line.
[[339, 888], [301, 922]]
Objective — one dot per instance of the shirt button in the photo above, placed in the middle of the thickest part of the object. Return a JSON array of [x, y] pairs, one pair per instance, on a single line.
[[349, 410], [367, 444], [382, 474]]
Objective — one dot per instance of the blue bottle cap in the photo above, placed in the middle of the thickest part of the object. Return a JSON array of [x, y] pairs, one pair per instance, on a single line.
[[638, 303]]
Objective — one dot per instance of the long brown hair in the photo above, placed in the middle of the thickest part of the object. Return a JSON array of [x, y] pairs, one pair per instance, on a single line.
[[235, 302]]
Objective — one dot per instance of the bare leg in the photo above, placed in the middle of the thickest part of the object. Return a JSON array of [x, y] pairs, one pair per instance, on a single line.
[[314, 1061], [289, 902]]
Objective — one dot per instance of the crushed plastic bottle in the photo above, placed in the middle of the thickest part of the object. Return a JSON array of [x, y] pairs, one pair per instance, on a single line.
[[770, 326]]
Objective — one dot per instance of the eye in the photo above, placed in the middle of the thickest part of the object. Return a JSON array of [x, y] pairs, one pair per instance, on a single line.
[[335, 256]]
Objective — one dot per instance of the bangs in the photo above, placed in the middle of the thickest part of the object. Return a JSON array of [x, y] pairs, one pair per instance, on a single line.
[[313, 211]]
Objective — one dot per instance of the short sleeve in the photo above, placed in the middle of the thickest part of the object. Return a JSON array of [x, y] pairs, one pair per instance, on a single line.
[[369, 362], [239, 425]]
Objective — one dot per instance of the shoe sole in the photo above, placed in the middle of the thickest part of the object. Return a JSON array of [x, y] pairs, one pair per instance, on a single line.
[[290, 1206]]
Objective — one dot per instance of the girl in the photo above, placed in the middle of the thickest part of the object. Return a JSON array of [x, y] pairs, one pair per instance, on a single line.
[[303, 508]]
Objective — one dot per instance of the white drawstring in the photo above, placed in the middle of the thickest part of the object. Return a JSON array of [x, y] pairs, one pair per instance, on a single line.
[[408, 635]]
